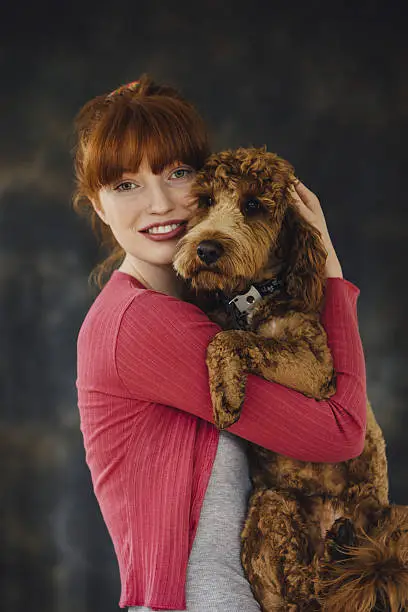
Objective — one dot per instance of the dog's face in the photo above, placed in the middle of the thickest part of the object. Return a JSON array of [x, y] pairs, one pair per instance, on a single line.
[[245, 225], [242, 197]]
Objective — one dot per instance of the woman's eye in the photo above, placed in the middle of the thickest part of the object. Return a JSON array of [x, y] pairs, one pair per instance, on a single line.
[[125, 186], [181, 173]]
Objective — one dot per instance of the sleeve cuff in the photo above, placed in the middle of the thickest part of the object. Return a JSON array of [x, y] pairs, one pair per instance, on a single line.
[[337, 282]]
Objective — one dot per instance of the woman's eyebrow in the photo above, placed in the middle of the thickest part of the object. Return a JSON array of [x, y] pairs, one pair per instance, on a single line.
[[129, 172]]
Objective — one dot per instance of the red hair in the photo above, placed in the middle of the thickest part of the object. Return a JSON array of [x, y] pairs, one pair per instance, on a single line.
[[115, 131]]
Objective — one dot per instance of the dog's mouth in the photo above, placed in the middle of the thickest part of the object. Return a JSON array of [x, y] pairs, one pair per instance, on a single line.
[[213, 279], [209, 279], [210, 269], [204, 273]]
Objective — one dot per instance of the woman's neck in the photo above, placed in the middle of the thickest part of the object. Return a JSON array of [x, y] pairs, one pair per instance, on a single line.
[[159, 278]]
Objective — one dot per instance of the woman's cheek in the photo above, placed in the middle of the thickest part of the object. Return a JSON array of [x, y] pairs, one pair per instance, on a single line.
[[128, 214], [191, 204]]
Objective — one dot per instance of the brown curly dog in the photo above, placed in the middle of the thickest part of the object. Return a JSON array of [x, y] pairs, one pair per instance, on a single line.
[[317, 536]]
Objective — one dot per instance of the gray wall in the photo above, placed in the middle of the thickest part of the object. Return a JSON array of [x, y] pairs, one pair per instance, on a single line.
[[328, 91]]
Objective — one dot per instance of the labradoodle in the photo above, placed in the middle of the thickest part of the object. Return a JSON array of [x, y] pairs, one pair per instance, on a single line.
[[317, 536]]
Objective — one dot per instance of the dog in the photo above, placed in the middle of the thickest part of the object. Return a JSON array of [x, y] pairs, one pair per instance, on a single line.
[[316, 536]]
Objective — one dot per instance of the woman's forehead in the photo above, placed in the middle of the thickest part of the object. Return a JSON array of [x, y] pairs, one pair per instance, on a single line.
[[127, 145], [146, 167]]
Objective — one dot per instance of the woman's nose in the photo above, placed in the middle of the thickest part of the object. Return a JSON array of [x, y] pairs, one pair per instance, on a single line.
[[160, 201]]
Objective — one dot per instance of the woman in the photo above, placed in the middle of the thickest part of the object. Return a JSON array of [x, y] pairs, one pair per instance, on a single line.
[[172, 488]]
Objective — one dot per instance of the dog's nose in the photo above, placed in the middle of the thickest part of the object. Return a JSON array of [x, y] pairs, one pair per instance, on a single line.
[[209, 251]]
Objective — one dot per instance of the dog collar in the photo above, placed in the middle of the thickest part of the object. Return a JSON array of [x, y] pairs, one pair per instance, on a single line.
[[241, 305]]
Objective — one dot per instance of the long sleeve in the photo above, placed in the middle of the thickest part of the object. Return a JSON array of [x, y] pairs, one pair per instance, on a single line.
[[160, 358]]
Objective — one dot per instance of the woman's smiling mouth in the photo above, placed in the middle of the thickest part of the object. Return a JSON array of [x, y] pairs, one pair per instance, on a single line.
[[166, 231]]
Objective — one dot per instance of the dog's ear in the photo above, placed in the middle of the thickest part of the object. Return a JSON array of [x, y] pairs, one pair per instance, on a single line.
[[301, 248]]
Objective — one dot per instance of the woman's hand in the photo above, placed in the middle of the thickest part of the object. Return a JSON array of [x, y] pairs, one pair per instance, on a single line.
[[309, 207]]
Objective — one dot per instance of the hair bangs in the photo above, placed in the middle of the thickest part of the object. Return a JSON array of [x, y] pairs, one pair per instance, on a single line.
[[139, 128]]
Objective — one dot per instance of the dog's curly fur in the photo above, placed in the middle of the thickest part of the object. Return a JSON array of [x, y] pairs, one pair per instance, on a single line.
[[317, 536]]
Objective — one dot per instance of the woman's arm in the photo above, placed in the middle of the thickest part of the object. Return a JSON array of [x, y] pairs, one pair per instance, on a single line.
[[160, 357]]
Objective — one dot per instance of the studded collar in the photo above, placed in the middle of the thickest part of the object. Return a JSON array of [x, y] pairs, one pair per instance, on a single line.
[[241, 305]]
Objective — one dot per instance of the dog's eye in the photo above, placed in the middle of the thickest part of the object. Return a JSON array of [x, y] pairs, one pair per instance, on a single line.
[[205, 201], [252, 205]]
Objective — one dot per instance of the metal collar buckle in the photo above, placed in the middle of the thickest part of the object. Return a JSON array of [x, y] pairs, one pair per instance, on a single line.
[[246, 301]]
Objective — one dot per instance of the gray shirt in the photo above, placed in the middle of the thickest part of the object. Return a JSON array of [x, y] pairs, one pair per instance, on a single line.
[[215, 578]]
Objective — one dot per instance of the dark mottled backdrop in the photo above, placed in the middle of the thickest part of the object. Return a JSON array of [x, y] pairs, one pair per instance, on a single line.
[[323, 84]]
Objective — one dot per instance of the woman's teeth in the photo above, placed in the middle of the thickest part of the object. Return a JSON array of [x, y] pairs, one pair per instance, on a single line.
[[163, 229]]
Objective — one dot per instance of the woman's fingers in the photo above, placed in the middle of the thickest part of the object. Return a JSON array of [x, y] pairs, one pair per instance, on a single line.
[[308, 198], [309, 207], [301, 203]]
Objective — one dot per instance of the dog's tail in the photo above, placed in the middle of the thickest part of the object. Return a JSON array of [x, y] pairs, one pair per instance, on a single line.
[[373, 574]]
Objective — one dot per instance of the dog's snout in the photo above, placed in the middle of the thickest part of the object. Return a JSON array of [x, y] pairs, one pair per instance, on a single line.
[[209, 251]]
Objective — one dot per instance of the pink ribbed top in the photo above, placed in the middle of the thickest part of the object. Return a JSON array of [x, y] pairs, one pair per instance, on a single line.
[[146, 420]]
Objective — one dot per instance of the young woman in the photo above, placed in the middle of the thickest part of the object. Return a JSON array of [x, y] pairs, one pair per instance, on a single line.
[[172, 488]]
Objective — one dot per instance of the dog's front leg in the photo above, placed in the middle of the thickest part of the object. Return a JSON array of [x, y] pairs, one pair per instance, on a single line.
[[233, 354], [227, 362], [294, 362]]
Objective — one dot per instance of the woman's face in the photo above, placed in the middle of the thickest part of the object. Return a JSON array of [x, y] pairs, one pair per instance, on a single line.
[[144, 200]]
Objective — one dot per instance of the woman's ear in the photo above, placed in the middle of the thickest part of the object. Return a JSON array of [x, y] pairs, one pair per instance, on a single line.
[[304, 258], [97, 206]]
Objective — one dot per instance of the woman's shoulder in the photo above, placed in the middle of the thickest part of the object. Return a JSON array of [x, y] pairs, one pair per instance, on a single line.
[[111, 303], [119, 288], [124, 295]]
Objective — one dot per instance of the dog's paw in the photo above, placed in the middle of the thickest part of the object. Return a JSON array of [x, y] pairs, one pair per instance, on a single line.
[[341, 536], [328, 389], [227, 379], [225, 415], [227, 397]]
